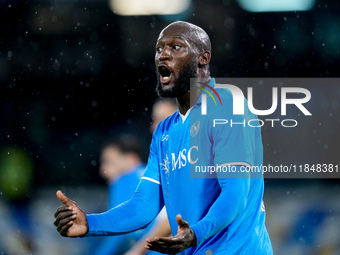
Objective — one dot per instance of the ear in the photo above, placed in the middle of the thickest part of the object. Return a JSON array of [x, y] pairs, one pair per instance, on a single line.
[[204, 59]]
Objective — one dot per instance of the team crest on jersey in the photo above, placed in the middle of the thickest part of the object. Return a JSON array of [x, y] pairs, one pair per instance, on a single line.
[[195, 128]]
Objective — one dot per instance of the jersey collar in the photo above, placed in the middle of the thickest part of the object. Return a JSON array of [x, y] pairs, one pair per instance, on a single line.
[[198, 102], [184, 117]]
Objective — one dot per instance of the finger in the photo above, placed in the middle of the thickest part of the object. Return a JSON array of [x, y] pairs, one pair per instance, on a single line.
[[150, 240], [181, 222], [64, 222], [168, 240], [62, 216], [62, 209], [64, 199], [65, 228], [153, 240]]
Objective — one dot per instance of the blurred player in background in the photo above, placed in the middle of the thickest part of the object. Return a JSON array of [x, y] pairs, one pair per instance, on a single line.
[[162, 108], [122, 167], [224, 215]]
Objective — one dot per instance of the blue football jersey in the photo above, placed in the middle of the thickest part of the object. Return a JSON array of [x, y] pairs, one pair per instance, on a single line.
[[181, 151]]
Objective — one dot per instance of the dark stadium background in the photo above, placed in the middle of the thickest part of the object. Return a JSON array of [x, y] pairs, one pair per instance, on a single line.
[[73, 74]]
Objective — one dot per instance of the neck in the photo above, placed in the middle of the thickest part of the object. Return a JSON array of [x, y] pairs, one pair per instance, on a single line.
[[186, 101]]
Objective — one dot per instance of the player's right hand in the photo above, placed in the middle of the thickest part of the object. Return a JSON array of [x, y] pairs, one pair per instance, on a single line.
[[70, 220]]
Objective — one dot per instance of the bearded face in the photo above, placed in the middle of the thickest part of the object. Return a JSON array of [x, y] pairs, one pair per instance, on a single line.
[[181, 83]]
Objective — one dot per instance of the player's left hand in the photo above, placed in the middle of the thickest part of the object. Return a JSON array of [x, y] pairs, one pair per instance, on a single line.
[[184, 239]]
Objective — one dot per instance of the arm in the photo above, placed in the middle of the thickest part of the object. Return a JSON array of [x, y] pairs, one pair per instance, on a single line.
[[230, 203], [127, 217], [162, 228], [119, 191], [131, 215]]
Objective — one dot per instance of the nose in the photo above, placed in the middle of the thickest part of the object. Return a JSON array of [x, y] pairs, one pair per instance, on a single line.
[[165, 55]]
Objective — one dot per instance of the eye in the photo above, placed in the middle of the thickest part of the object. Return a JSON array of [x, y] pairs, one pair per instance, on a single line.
[[176, 47], [159, 49]]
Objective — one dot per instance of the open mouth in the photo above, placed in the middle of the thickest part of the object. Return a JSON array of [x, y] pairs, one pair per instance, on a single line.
[[165, 74]]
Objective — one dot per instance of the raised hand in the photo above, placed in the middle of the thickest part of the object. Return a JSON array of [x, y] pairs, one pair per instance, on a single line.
[[70, 219], [184, 239]]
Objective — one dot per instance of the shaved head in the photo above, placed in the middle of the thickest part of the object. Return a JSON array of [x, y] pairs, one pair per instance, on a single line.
[[192, 33], [182, 52]]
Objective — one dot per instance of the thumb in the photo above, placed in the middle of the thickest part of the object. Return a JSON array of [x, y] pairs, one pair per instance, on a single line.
[[64, 199], [181, 223]]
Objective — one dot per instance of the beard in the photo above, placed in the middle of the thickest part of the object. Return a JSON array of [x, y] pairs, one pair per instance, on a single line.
[[182, 82]]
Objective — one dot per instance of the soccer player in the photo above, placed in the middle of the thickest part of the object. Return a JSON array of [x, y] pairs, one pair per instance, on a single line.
[[161, 109], [206, 215], [122, 167]]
